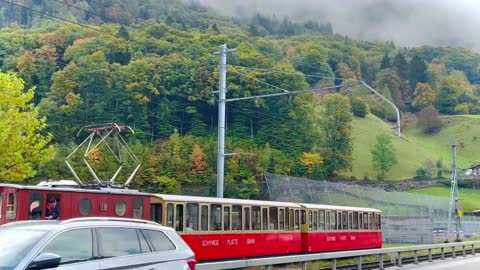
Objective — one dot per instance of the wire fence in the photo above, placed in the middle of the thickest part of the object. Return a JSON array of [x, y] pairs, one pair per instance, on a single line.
[[407, 217]]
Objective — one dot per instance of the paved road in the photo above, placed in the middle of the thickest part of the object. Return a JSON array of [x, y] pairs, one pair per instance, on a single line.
[[462, 263]]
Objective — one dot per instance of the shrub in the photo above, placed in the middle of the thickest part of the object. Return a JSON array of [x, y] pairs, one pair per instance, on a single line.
[[359, 107]]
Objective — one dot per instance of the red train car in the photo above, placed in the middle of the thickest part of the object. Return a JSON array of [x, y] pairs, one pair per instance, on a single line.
[[30, 202], [217, 228]]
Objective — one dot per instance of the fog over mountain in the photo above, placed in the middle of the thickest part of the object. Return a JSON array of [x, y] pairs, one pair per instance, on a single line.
[[406, 22]]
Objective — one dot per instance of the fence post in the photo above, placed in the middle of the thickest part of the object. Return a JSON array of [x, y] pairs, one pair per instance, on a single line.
[[334, 264], [268, 267], [399, 259], [429, 254], [381, 262], [454, 254], [464, 253], [415, 257], [304, 266], [443, 253], [359, 266], [473, 249]]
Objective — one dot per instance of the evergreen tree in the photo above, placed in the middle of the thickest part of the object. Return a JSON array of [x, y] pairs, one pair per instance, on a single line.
[[400, 66], [385, 62], [123, 32], [417, 72]]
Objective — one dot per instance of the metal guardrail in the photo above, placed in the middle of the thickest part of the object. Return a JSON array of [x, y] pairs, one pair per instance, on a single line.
[[303, 259]]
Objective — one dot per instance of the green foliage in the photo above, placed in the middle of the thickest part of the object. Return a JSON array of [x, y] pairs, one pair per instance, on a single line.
[[23, 145], [454, 89], [383, 155], [424, 96], [335, 120], [417, 72], [164, 184], [359, 107]]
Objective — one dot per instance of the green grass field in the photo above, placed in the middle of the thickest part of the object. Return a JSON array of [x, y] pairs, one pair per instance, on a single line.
[[415, 148], [469, 198]]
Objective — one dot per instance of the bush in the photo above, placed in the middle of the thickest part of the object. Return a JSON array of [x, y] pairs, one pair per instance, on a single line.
[[359, 107], [428, 120], [422, 174], [461, 109]]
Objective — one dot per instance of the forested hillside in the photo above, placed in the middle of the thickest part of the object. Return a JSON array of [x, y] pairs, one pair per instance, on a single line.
[[150, 65]]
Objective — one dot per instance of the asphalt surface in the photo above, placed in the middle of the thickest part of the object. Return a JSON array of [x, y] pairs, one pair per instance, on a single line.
[[463, 263]]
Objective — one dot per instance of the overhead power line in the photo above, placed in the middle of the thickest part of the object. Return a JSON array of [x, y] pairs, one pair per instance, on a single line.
[[290, 73]]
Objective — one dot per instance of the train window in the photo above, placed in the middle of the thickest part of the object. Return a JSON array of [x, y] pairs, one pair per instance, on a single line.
[[292, 220], [170, 215], [333, 220], [350, 215], [265, 218], [370, 221], [204, 217], [215, 217], [304, 217], [1, 203], [281, 218], [120, 208], [327, 220], [246, 225], [315, 220], [236, 217], [137, 208], [321, 220], [297, 220], [226, 218], [310, 220], [339, 220], [35, 209], [379, 222], [179, 217], [365, 221], [273, 223], [85, 206], [287, 219], [11, 206], [256, 218], [192, 217], [344, 220], [360, 221], [374, 221], [355, 221], [156, 212]]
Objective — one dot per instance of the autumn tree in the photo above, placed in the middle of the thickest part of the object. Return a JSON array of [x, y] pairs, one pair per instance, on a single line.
[[311, 160], [429, 120], [383, 155], [22, 145], [424, 96], [335, 124]]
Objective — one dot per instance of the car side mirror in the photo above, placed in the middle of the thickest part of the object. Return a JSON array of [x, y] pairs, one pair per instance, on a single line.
[[45, 261]]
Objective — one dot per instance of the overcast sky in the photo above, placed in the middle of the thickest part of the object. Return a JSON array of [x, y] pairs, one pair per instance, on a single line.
[[406, 22]]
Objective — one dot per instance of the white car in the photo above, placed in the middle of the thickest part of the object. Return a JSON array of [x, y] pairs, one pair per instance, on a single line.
[[93, 243]]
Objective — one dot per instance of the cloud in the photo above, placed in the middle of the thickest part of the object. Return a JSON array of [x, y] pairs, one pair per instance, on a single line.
[[406, 22]]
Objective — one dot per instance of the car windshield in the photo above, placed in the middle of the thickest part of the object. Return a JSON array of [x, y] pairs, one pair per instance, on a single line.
[[15, 244]]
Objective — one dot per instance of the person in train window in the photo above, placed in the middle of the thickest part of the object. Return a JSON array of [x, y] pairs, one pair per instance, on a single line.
[[52, 209], [189, 227]]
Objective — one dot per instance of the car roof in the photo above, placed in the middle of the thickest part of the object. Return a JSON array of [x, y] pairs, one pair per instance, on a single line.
[[84, 222]]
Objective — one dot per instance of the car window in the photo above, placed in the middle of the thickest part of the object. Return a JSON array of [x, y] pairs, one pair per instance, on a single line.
[[73, 246], [114, 242], [143, 243], [159, 240], [15, 244]]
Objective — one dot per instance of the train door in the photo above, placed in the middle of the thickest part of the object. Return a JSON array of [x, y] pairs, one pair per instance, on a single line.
[[8, 205], [35, 206], [156, 212]]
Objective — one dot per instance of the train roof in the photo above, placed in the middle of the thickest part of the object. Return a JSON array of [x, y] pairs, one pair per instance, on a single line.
[[80, 190], [184, 198], [338, 208], [196, 199]]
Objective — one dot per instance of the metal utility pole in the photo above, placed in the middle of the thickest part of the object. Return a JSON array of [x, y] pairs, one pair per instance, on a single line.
[[454, 203], [222, 90], [389, 102]]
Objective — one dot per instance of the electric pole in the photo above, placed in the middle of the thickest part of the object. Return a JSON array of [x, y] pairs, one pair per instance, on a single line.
[[454, 202], [222, 91]]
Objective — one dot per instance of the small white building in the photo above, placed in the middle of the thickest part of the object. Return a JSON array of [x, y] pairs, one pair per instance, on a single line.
[[473, 170]]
